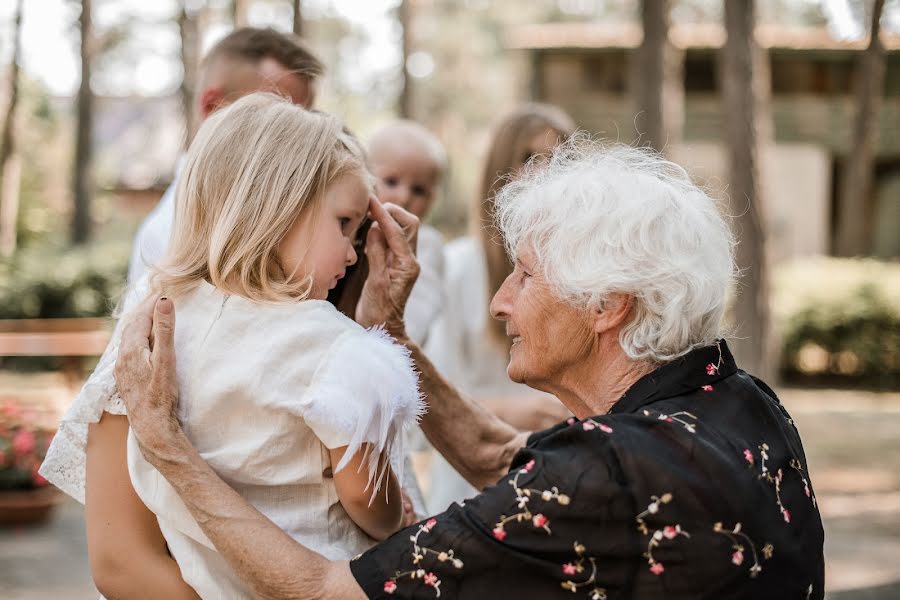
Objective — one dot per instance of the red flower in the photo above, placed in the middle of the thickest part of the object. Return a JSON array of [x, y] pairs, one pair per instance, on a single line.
[[748, 456], [529, 465], [539, 520], [37, 477], [499, 533], [711, 369], [431, 579], [737, 558], [390, 587], [571, 420], [670, 532], [657, 568], [787, 515], [569, 569], [588, 425], [23, 443], [707, 388], [605, 428], [429, 524]]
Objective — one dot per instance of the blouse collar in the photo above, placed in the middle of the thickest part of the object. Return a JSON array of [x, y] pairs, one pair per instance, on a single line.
[[698, 368]]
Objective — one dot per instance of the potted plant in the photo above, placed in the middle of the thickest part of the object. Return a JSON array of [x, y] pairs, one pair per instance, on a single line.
[[25, 496]]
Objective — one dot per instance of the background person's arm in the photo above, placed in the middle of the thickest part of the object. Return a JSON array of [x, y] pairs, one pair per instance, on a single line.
[[127, 551]]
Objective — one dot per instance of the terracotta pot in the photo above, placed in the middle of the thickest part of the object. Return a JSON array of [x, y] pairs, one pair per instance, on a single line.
[[28, 507]]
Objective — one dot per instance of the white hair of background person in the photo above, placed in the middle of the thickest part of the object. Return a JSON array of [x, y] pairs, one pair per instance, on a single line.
[[605, 218]]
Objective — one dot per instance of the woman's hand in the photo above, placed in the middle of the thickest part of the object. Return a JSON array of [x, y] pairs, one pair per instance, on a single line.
[[393, 269], [145, 376]]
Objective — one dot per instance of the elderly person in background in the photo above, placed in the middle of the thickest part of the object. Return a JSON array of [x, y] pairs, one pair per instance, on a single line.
[[680, 476]]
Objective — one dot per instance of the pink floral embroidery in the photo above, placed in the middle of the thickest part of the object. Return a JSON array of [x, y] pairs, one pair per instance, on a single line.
[[778, 479], [711, 369], [748, 456], [579, 566], [571, 420], [668, 532], [787, 515], [707, 388], [679, 417], [524, 497], [418, 554], [738, 539], [591, 424]]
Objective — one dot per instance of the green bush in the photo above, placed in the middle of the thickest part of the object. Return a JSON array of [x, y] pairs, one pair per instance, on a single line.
[[48, 283], [840, 321]]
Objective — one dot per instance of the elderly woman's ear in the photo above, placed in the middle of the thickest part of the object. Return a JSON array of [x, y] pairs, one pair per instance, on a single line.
[[613, 313]]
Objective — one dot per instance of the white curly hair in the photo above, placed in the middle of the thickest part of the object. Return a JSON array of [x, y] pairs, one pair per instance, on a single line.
[[604, 218]]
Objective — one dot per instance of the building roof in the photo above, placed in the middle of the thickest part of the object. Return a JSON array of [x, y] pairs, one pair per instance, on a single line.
[[558, 36]]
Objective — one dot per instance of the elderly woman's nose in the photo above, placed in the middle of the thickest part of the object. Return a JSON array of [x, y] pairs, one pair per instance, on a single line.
[[501, 303]]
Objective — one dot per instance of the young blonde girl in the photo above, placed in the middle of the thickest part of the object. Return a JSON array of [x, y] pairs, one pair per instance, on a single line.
[[296, 406]]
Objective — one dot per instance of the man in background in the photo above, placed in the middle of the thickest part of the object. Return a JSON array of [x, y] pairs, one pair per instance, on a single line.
[[245, 61]]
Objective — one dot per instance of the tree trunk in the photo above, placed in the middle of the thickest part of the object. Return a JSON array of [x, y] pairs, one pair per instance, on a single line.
[[9, 161], [83, 184], [298, 19], [745, 87], [855, 200], [190, 50], [658, 79], [404, 102], [239, 13]]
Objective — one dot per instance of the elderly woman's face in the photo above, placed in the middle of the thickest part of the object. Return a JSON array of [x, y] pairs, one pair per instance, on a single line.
[[549, 335]]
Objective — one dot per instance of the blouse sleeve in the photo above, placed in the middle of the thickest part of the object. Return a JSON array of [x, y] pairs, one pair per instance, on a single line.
[[541, 532], [64, 465], [365, 392]]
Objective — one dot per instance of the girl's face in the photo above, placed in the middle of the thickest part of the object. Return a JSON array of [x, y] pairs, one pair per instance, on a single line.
[[323, 247]]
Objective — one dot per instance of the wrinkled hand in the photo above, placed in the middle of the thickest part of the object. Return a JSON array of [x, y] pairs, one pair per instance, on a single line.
[[393, 269], [145, 376]]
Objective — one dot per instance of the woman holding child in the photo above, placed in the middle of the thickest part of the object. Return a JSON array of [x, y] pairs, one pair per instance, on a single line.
[[678, 476]]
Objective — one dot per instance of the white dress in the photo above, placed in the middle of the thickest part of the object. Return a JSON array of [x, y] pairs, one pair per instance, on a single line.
[[264, 392], [459, 347]]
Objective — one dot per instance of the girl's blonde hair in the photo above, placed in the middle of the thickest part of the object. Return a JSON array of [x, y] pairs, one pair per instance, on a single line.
[[507, 154], [251, 171]]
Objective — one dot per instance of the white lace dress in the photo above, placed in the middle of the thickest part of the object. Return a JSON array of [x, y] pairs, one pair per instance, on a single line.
[[265, 392]]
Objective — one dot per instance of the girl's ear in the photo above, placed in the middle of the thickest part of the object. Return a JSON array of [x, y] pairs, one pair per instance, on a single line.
[[613, 312], [210, 100]]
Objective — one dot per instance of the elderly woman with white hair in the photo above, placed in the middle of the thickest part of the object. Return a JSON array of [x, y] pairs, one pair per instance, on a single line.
[[680, 475]]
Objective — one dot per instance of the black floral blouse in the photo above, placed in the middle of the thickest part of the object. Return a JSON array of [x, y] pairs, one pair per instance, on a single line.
[[694, 485]]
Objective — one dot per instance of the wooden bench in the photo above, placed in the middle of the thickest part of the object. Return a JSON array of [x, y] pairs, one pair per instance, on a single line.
[[69, 339]]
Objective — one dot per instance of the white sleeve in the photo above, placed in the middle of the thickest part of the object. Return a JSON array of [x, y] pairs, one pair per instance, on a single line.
[[64, 465], [365, 392], [428, 297]]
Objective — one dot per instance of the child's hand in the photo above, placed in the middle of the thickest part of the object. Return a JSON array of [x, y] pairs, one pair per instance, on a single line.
[[409, 512]]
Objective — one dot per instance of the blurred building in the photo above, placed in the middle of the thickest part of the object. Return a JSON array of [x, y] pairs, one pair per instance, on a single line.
[[587, 69]]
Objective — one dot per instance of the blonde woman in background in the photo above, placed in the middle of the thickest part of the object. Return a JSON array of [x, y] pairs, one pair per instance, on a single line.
[[466, 345], [298, 407]]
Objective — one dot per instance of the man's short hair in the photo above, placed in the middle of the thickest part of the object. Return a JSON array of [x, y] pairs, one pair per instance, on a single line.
[[253, 45]]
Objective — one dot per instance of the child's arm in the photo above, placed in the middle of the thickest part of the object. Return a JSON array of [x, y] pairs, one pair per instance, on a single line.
[[382, 518], [128, 554]]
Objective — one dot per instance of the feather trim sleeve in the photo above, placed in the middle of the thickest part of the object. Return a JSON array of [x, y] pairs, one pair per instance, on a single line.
[[365, 392]]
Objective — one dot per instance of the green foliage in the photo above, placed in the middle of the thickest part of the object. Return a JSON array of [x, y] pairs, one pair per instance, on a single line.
[[49, 282], [840, 321]]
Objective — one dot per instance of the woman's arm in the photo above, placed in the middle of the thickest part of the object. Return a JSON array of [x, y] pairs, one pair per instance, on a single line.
[[128, 554], [376, 511]]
